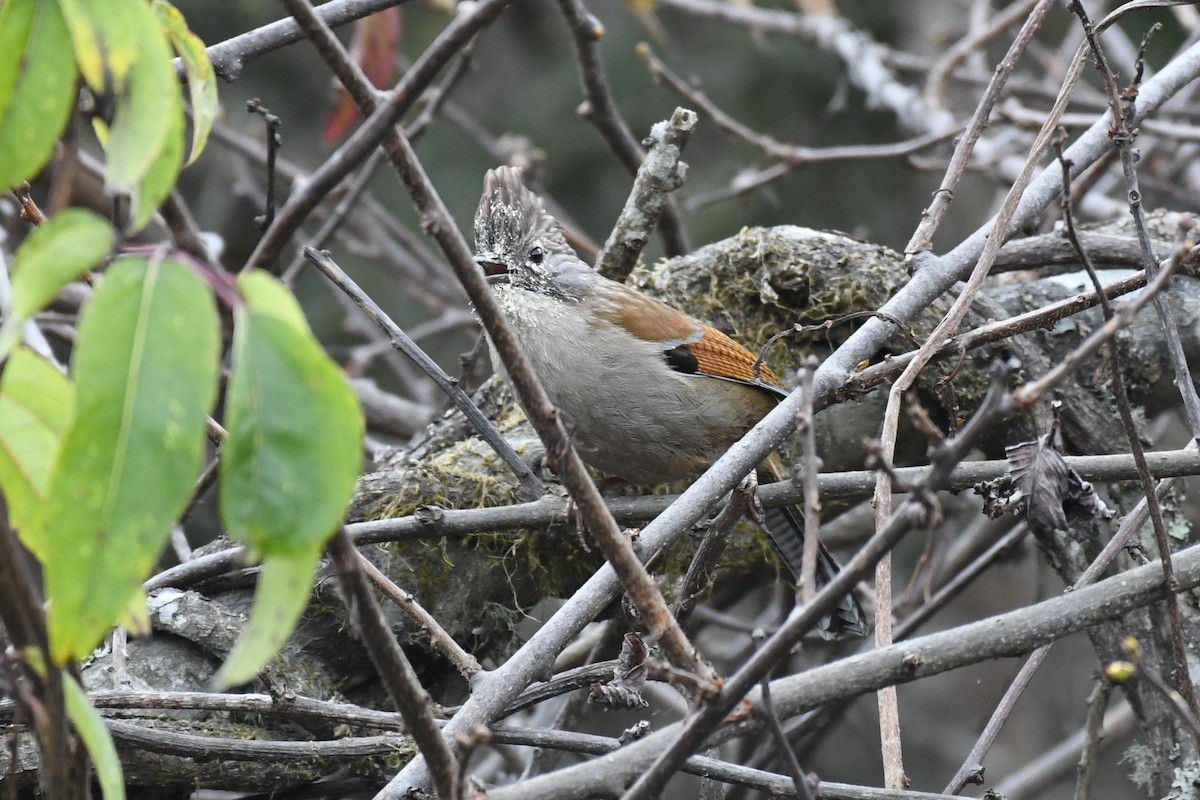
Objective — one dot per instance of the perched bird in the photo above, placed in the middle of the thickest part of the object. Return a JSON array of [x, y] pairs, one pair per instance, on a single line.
[[649, 394]]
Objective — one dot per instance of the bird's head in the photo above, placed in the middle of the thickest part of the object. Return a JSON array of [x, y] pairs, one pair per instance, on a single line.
[[518, 242]]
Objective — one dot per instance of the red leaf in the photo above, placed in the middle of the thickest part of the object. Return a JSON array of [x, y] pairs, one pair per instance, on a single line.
[[374, 49]]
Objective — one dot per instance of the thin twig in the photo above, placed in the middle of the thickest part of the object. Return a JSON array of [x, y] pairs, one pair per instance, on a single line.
[[971, 44], [1132, 435], [766, 710], [959, 582], [1124, 316], [438, 522], [931, 218], [1122, 137], [698, 577], [531, 487], [791, 156], [274, 140], [601, 111], [1097, 702], [330, 225], [810, 482], [441, 640], [380, 125], [29, 208], [864, 380], [187, 745], [393, 668], [229, 57], [433, 100], [867, 63]]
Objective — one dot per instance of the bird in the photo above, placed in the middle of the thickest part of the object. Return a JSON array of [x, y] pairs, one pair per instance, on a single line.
[[649, 394]]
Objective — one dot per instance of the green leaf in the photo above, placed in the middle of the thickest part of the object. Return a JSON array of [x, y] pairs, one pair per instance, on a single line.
[[201, 79], [295, 428], [289, 464], [160, 179], [96, 738], [56, 253], [284, 584], [16, 22], [37, 86], [121, 48], [145, 367], [37, 403]]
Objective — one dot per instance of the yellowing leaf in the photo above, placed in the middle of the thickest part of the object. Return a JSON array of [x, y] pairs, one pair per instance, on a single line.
[[145, 366], [104, 33], [121, 48], [201, 79], [144, 114]]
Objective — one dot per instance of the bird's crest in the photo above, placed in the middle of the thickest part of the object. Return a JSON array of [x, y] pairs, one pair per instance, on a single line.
[[511, 219]]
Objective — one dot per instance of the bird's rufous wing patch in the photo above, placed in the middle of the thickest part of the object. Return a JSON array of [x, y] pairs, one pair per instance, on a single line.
[[722, 357], [688, 345]]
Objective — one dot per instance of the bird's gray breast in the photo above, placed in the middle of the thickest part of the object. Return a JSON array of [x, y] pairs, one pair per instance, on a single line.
[[628, 413]]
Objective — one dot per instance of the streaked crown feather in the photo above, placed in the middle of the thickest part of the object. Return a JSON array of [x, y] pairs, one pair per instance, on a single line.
[[511, 220]]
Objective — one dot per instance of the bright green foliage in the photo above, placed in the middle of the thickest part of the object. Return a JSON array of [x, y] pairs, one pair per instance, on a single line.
[[56, 253], [96, 738], [295, 428], [293, 454], [37, 86], [145, 368], [201, 79], [37, 403]]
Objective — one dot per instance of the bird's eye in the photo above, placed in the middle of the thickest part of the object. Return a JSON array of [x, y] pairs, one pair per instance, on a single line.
[[536, 255]]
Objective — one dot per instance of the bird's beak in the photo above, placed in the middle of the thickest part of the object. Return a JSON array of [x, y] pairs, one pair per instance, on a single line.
[[495, 271]]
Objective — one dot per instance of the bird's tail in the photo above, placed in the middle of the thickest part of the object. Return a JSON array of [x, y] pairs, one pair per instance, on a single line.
[[785, 529]]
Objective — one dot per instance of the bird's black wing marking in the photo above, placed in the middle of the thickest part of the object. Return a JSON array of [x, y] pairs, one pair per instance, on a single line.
[[681, 359]]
